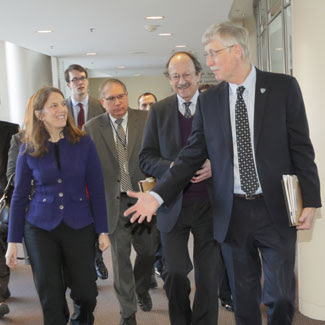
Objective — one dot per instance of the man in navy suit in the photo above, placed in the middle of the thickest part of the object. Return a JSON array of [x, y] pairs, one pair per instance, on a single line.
[[165, 134], [253, 128]]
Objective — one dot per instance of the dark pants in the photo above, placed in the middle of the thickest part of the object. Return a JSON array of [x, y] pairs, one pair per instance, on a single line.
[[48, 252], [4, 270], [196, 218], [224, 287], [253, 243], [128, 281]]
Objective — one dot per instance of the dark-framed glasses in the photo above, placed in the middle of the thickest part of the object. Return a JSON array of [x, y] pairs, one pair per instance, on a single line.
[[75, 79], [112, 99], [214, 53]]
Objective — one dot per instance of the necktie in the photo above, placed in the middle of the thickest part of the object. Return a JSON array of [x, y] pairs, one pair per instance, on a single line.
[[188, 113], [81, 116], [122, 152], [247, 172]]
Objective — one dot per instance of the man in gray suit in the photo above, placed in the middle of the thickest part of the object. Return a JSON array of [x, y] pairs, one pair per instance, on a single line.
[[117, 136], [83, 107]]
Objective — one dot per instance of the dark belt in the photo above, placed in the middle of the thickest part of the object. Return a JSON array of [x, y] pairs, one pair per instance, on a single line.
[[249, 197]]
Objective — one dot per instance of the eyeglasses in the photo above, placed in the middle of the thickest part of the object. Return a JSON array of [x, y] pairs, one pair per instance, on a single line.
[[75, 80], [176, 77], [56, 105], [214, 54], [112, 99]]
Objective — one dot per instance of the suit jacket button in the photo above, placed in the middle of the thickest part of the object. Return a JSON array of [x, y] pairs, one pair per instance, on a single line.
[[59, 180], [44, 200], [60, 194], [61, 207]]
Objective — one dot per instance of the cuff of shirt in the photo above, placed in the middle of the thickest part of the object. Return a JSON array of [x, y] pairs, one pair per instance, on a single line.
[[157, 197]]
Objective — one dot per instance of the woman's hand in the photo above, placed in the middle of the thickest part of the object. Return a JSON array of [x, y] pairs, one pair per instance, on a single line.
[[11, 255], [103, 242]]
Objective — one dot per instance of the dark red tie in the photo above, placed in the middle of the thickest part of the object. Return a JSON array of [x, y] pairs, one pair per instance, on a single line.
[[81, 116]]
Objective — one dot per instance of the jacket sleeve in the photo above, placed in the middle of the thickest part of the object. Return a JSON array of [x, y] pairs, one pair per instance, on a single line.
[[189, 160], [301, 148], [19, 200]]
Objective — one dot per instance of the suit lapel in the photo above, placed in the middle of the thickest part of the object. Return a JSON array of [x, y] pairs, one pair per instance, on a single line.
[[261, 93], [133, 130], [174, 129], [224, 118], [107, 133]]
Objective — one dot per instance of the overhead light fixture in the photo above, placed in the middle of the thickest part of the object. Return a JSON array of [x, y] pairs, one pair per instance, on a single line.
[[44, 31], [137, 75], [279, 49], [120, 67], [165, 34], [91, 53], [154, 17], [179, 46]]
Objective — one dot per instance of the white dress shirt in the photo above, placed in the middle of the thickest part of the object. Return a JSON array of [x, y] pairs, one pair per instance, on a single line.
[[249, 98]]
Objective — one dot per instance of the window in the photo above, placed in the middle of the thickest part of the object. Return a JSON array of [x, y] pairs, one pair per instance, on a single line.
[[274, 35]]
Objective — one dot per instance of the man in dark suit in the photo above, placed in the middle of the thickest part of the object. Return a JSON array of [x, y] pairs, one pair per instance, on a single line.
[[190, 212], [117, 136], [254, 129], [83, 107], [7, 130]]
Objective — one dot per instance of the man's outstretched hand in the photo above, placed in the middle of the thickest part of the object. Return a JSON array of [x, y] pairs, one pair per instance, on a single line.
[[145, 207]]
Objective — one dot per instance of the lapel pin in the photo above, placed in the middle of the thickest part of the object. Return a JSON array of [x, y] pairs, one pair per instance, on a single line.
[[262, 90]]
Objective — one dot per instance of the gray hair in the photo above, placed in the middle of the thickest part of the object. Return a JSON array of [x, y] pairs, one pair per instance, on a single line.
[[228, 34], [109, 82]]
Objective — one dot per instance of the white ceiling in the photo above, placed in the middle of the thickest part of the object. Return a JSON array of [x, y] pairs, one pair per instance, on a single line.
[[119, 37]]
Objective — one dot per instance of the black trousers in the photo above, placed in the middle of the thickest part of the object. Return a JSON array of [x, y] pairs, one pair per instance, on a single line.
[[253, 243], [195, 217], [48, 251]]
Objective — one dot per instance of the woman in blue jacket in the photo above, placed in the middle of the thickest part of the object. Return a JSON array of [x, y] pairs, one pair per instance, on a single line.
[[59, 223]]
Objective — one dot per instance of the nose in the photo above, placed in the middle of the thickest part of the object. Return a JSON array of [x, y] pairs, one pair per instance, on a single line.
[[209, 61]]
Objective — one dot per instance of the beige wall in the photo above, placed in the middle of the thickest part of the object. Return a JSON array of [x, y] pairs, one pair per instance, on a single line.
[[157, 85], [308, 27]]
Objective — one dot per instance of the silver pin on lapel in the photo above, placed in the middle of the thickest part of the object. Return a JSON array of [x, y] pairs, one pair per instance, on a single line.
[[262, 90]]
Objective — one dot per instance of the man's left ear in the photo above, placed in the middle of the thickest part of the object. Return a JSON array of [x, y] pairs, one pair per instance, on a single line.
[[238, 50]]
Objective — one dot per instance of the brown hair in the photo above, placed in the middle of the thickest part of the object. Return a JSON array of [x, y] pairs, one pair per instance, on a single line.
[[71, 68], [35, 133]]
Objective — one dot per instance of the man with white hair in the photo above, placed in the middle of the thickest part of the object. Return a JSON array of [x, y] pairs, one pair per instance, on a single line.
[[254, 129]]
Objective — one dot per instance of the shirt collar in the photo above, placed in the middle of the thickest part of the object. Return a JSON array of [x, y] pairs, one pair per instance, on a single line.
[[75, 102], [124, 117], [193, 100], [249, 83]]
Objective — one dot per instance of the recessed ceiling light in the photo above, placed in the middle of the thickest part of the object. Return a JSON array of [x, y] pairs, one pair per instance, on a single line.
[[279, 49], [44, 31], [154, 17], [91, 53], [120, 67], [180, 46], [165, 34], [137, 75]]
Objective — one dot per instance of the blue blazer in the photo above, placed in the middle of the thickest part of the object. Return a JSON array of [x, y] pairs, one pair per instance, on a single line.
[[59, 195], [282, 146]]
